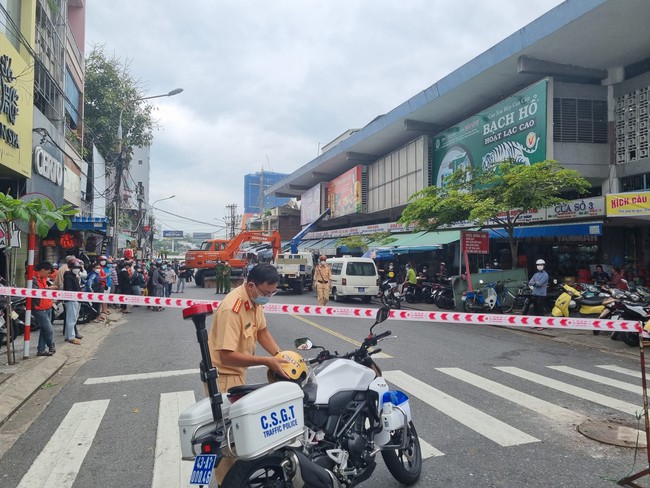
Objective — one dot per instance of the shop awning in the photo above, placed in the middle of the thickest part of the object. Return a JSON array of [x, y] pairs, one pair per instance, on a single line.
[[89, 223], [584, 229], [308, 245], [435, 238]]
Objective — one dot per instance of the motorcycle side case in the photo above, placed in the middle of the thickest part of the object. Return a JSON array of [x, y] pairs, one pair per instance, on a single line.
[[266, 419], [195, 421]]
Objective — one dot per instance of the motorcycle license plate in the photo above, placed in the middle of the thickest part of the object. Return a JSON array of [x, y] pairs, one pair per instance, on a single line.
[[203, 467], [362, 290]]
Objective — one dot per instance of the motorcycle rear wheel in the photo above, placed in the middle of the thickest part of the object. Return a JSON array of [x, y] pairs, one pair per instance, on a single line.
[[405, 464], [264, 472], [471, 306]]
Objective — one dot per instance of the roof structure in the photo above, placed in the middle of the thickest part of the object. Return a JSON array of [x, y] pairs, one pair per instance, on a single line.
[[577, 41]]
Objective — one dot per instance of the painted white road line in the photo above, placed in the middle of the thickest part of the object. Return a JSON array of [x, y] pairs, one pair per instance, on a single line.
[[576, 391], [379, 355], [60, 460], [550, 410], [140, 376], [617, 369], [169, 471], [428, 451], [604, 380], [486, 425]]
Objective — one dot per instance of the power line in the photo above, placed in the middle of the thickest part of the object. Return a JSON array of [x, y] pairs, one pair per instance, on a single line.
[[185, 218]]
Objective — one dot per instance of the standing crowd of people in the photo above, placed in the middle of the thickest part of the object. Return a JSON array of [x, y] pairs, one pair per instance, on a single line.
[[102, 275]]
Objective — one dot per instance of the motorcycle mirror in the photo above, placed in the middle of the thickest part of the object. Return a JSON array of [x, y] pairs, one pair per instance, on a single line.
[[382, 315], [303, 344]]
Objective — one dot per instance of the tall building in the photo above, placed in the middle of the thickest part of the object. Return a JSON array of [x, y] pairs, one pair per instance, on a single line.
[[255, 185]]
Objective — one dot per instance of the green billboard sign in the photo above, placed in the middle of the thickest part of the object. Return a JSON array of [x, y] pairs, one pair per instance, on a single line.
[[513, 129]]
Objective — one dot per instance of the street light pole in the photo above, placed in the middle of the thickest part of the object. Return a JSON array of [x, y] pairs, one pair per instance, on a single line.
[[119, 168], [153, 205]]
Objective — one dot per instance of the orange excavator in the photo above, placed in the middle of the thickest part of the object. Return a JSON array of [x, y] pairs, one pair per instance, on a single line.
[[205, 258]]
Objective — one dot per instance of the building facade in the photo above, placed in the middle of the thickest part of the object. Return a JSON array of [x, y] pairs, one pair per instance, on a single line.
[[571, 86]]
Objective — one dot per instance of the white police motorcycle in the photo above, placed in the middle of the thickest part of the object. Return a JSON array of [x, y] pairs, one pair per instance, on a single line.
[[322, 430]]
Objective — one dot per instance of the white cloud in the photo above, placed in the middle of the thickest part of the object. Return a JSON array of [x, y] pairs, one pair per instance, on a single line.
[[276, 79]]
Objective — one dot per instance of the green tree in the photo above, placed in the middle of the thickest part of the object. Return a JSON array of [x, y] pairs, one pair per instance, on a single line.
[[362, 241], [110, 90], [496, 198], [43, 213]]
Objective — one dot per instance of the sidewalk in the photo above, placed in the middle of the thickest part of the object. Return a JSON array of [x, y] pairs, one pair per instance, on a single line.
[[18, 382]]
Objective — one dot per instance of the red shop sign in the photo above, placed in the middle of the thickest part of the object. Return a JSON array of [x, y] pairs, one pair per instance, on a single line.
[[475, 242]]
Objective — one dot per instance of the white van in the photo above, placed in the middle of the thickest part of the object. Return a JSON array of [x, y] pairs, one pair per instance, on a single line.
[[354, 277]]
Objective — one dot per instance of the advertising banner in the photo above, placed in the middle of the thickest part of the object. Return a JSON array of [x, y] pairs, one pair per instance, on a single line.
[[16, 109], [475, 242], [345, 193], [513, 129], [586, 207], [632, 204], [310, 204], [174, 234]]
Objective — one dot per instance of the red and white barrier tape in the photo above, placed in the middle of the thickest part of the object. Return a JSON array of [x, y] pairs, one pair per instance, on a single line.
[[348, 312]]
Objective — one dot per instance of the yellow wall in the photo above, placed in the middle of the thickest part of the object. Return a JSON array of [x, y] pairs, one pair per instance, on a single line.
[[19, 158]]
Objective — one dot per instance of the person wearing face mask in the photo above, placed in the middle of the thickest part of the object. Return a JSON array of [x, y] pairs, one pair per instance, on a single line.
[[238, 325], [71, 283], [539, 282], [323, 277], [125, 287]]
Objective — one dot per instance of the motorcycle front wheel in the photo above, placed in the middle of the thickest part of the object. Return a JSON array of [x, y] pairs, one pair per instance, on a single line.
[[264, 472], [405, 464]]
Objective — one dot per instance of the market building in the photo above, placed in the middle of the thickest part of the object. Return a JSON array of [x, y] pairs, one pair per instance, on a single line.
[[571, 86]]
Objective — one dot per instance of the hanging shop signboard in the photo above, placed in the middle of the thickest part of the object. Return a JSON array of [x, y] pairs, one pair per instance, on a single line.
[[632, 204]]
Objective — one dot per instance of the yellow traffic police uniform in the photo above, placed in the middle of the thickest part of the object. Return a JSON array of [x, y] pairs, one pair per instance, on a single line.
[[323, 277], [234, 328]]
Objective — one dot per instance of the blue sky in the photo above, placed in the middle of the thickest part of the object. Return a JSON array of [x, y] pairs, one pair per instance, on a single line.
[[266, 83]]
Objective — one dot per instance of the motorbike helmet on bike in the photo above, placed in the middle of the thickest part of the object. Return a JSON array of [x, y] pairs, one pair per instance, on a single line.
[[295, 368]]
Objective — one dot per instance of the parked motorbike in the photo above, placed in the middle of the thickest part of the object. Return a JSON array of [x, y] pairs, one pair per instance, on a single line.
[[389, 295], [324, 431], [493, 297], [575, 303], [17, 322], [633, 308], [443, 294], [417, 293]]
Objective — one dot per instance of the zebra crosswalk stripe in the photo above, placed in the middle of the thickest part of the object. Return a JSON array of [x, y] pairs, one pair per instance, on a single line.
[[530, 402], [621, 385], [618, 369], [169, 470], [486, 425], [576, 391], [58, 463]]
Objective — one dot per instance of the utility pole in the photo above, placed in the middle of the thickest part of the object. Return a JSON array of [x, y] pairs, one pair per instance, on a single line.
[[232, 219]]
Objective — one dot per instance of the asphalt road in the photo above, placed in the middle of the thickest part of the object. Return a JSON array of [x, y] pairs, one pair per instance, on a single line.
[[465, 384]]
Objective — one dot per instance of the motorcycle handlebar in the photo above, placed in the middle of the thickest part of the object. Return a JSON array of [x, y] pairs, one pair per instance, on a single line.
[[381, 336]]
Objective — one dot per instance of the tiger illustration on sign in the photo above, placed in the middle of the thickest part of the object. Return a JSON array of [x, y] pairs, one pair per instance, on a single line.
[[509, 150]]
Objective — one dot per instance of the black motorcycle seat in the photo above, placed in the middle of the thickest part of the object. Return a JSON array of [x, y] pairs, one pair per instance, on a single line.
[[245, 389], [592, 301]]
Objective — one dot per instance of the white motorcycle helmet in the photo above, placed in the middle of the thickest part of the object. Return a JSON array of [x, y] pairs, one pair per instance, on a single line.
[[541, 261]]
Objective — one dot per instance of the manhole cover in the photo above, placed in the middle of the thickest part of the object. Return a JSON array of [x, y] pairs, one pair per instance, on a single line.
[[613, 433]]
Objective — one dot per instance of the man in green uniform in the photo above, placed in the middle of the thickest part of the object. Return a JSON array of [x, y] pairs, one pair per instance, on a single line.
[[227, 271], [218, 275]]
